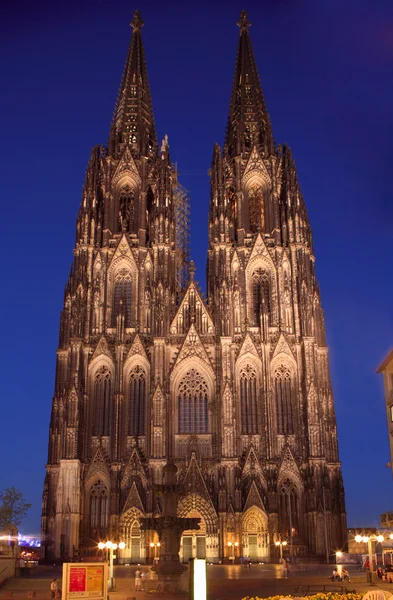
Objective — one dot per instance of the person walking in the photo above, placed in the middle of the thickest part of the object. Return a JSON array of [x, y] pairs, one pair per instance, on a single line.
[[138, 577], [54, 589], [22, 566]]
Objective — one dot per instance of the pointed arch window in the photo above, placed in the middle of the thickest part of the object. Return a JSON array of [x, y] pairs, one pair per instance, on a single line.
[[102, 401], [256, 208], [283, 397], [248, 400], [122, 297], [261, 295], [126, 207], [98, 510], [137, 402], [288, 510], [192, 403]]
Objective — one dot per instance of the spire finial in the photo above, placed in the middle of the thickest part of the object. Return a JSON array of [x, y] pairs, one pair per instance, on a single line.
[[243, 22], [137, 22], [191, 270]]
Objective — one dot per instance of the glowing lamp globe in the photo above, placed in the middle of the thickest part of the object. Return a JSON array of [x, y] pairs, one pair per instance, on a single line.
[[101, 545], [122, 545], [365, 539], [108, 545], [358, 538], [380, 538]]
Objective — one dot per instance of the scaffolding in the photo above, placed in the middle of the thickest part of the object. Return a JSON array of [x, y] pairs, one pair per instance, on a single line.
[[181, 200]]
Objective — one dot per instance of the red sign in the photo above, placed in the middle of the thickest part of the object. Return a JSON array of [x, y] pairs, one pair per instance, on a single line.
[[77, 579]]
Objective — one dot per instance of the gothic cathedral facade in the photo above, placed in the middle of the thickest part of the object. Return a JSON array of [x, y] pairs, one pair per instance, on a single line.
[[234, 387]]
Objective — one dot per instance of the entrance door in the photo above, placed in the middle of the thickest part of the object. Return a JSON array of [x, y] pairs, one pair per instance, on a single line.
[[187, 548], [201, 546], [135, 549], [253, 547]]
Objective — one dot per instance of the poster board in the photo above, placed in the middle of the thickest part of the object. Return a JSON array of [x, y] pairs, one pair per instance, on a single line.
[[85, 580]]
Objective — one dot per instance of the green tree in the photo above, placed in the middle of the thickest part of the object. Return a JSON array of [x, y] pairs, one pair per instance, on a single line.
[[13, 507]]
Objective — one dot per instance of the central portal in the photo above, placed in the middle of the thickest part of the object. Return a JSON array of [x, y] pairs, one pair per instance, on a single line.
[[193, 543]]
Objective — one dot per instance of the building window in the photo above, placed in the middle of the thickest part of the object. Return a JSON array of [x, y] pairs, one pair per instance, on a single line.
[[283, 397], [122, 297], [256, 209], [192, 403], [98, 510], [127, 203], [248, 400], [137, 402], [102, 401], [261, 295]]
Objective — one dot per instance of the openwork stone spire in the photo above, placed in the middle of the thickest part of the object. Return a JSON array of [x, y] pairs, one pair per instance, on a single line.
[[133, 121], [248, 122]]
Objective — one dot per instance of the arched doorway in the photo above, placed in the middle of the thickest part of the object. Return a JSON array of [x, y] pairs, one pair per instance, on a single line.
[[255, 535], [134, 538], [193, 543], [203, 542]]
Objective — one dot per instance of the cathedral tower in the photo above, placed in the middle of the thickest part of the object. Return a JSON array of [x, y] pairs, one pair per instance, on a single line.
[[235, 389]]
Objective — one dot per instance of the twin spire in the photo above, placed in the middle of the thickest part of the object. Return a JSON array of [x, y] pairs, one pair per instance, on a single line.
[[133, 121]]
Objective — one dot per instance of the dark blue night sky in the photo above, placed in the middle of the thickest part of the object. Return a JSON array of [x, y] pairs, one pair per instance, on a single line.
[[326, 68]]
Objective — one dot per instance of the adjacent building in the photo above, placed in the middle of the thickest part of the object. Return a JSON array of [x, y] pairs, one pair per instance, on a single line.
[[235, 387]]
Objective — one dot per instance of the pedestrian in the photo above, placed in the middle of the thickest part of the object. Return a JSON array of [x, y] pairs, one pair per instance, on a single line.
[[22, 566], [138, 576], [344, 574], [285, 568], [54, 589]]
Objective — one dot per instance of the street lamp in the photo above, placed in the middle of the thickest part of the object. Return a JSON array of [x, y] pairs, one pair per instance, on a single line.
[[281, 544], [155, 546], [111, 546], [369, 539], [233, 545]]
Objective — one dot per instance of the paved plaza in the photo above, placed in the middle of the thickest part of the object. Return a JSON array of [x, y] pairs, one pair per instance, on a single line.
[[225, 582]]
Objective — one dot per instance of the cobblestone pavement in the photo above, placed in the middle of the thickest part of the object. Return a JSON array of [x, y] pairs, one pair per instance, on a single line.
[[224, 582]]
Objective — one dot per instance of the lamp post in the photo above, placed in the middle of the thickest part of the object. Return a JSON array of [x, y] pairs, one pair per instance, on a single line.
[[280, 545], [155, 546], [233, 545], [369, 539], [111, 546]]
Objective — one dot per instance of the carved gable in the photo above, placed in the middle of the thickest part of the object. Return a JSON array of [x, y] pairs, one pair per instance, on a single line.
[[137, 347], [102, 348], [253, 498], [126, 167], [288, 468], [123, 251], [282, 347], [192, 346], [134, 468], [193, 481], [98, 467], [192, 307], [247, 347], [133, 500], [255, 168], [260, 250]]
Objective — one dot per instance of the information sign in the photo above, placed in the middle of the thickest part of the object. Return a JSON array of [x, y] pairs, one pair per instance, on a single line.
[[87, 580]]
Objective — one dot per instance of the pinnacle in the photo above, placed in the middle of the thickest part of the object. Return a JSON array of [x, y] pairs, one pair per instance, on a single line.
[[137, 22], [243, 22]]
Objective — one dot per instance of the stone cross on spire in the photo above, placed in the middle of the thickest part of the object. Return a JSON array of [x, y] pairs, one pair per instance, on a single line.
[[137, 22], [243, 22]]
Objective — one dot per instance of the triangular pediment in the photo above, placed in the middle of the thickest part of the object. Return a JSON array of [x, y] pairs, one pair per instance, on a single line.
[[192, 346], [256, 168], [102, 348], [282, 347], [193, 481], [252, 467], [125, 167], [123, 251], [99, 466], [134, 468], [259, 250], [248, 347], [253, 498], [288, 466], [192, 299], [133, 500], [137, 347]]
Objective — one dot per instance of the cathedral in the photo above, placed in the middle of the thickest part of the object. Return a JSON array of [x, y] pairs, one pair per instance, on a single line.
[[233, 386]]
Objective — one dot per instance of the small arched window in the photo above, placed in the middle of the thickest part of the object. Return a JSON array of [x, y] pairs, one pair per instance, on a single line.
[[283, 396], [137, 402], [248, 400], [122, 297], [192, 403], [256, 208], [102, 401], [261, 295], [98, 510]]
